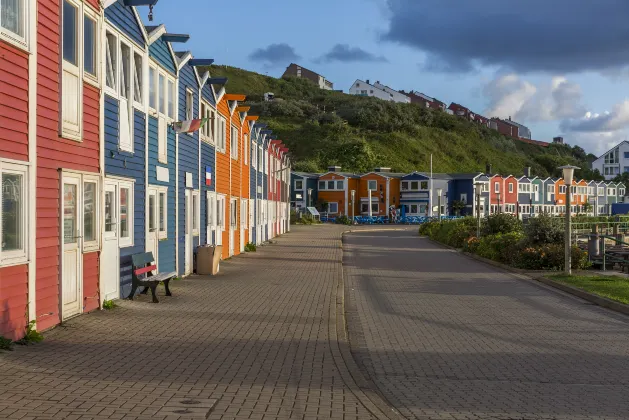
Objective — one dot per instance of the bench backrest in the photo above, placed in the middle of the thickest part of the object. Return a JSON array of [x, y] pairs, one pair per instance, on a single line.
[[143, 263]]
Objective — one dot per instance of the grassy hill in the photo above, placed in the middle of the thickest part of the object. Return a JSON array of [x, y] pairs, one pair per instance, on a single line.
[[324, 128]]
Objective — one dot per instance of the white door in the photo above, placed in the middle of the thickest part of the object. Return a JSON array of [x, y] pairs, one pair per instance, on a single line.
[[220, 219], [251, 221], [72, 271], [152, 235], [243, 223], [188, 229], [233, 217], [110, 258], [211, 218]]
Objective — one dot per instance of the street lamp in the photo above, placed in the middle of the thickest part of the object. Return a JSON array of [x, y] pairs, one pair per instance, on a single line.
[[439, 191], [353, 197], [568, 174], [309, 197], [479, 191]]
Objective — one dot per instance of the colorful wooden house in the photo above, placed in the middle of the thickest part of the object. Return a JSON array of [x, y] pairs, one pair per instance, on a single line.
[[334, 190], [510, 195], [462, 188], [496, 194], [526, 194], [264, 207], [385, 192], [256, 171], [537, 191], [303, 190]]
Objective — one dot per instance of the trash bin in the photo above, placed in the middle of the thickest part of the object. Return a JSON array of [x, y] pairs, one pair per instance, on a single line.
[[208, 259]]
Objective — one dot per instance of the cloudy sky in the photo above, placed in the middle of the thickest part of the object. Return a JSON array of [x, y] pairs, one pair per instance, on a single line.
[[559, 66]]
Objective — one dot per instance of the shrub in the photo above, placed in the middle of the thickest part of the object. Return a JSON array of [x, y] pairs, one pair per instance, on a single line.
[[544, 229], [5, 343], [502, 223], [549, 257], [502, 247], [31, 336], [343, 220], [109, 304], [250, 247]]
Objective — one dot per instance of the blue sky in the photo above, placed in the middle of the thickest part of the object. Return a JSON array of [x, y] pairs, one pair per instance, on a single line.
[[552, 73]]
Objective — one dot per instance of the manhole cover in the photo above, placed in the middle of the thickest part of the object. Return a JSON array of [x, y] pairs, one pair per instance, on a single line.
[[190, 402]]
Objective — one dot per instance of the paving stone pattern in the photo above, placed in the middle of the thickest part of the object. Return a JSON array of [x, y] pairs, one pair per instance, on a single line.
[[446, 337], [256, 339]]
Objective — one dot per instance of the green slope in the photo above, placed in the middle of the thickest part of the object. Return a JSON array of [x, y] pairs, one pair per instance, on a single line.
[[324, 128]]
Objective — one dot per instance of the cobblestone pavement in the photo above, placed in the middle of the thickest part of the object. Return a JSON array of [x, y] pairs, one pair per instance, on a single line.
[[446, 337], [257, 342]]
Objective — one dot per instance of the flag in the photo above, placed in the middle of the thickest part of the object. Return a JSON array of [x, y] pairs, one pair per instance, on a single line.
[[189, 126], [208, 175]]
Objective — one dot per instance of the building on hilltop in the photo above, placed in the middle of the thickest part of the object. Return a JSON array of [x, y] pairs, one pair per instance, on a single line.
[[378, 90], [613, 162], [510, 128], [424, 100], [295, 70]]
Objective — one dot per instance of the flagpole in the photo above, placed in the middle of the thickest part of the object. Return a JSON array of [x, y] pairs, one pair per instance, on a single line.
[[430, 192]]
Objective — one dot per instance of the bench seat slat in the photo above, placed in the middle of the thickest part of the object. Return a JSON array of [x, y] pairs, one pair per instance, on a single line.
[[145, 269], [158, 277]]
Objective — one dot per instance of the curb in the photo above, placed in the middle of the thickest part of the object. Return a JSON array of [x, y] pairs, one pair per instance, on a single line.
[[580, 293]]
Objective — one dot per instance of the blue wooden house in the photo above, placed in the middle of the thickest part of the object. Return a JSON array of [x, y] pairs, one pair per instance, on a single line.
[[265, 227], [125, 133], [463, 188], [161, 164], [303, 190], [257, 180], [526, 194], [416, 196]]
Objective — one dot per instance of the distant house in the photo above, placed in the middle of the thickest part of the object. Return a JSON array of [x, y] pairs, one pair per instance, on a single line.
[[295, 70], [459, 110], [378, 90], [510, 128], [424, 100], [613, 162]]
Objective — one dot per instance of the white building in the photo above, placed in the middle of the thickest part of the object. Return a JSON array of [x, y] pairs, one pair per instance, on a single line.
[[613, 162], [378, 90]]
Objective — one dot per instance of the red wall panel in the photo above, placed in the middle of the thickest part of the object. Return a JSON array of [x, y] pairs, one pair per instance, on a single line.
[[90, 281], [13, 301], [13, 102]]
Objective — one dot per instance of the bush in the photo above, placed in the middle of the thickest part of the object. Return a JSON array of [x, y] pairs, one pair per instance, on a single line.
[[544, 229], [502, 223], [250, 247], [343, 220], [549, 257], [502, 247]]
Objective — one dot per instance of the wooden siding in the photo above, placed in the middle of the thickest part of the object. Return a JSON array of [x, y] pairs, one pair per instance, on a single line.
[[207, 94], [223, 180], [13, 301], [510, 197], [13, 103], [91, 293], [363, 192], [208, 154], [236, 173], [160, 52], [188, 157], [166, 247], [131, 166], [123, 18], [54, 153]]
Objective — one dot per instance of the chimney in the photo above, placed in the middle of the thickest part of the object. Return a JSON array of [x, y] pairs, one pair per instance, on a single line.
[[382, 169], [527, 172], [488, 168], [334, 169], [367, 81], [509, 117]]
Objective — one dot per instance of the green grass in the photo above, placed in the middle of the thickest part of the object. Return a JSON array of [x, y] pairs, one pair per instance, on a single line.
[[109, 304], [324, 128], [612, 287]]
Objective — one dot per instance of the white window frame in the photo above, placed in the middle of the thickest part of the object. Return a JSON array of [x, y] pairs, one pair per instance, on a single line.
[[209, 128], [496, 187], [464, 198], [245, 148], [299, 188], [375, 185], [93, 245], [89, 77], [22, 42], [162, 234], [164, 119], [233, 213], [337, 207], [221, 222], [189, 110], [126, 241], [16, 256], [244, 216], [221, 134], [234, 150], [196, 209], [323, 185], [336, 185], [404, 186], [510, 187], [254, 155]]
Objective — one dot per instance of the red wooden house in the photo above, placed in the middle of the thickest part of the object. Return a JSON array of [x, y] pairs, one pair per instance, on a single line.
[[510, 202], [496, 194]]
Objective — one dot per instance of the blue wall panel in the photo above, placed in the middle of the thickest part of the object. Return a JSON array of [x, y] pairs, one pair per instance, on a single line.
[[160, 52], [127, 165], [166, 247], [208, 95], [124, 19], [208, 158]]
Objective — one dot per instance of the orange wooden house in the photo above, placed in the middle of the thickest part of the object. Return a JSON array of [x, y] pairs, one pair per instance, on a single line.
[[385, 192], [334, 189]]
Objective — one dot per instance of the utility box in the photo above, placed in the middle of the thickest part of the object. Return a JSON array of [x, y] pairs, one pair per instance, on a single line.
[[208, 259]]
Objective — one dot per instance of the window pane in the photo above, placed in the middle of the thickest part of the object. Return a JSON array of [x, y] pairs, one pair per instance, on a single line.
[[171, 99], [162, 93], [151, 212], [138, 69], [69, 32], [110, 61], [124, 212], [89, 212], [162, 212], [339, 185], [89, 49], [12, 16], [330, 185], [189, 101], [125, 72], [12, 212], [69, 214], [109, 211], [152, 88], [195, 220]]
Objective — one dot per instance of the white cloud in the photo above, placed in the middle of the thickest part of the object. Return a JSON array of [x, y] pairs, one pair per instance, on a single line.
[[596, 143], [608, 122]]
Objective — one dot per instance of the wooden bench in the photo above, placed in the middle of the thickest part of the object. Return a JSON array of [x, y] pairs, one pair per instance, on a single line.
[[143, 266]]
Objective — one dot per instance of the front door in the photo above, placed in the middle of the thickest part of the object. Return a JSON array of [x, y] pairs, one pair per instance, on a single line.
[[152, 236], [211, 218], [110, 255], [233, 220], [72, 270], [188, 229], [243, 223]]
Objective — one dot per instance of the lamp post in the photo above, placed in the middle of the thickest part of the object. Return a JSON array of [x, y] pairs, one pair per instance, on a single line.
[[479, 191], [353, 196], [568, 174], [439, 191], [309, 197]]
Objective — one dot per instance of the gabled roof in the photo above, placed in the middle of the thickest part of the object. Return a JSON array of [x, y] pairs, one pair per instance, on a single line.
[[624, 141]]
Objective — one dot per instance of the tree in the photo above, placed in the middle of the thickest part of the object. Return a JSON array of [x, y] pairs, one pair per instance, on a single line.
[[458, 206], [587, 207]]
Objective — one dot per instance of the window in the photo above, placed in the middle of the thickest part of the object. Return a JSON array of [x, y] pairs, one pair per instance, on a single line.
[[424, 185], [510, 187], [220, 212], [299, 184], [233, 142], [70, 31], [404, 186], [13, 19], [464, 198], [138, 72], [196, 212], [189, 105], [171, 99], [330, 185], [111, 60], [496, 187], [550, 189], [90, 214], [162, 140], [562, 189], [126, 214], [14, 214], [125, 71], [254, 156], [414, 185], [162, 94], [414, 209], [333, 208], [233, 213], [601, 191], [152, 93], [261, 159], [322, 185], [152, 209], [485, 187], [245, 148], [372, 185], [621, 192], [162, 212], [89, 45], [340, 185], [221, 135], [207, 130]]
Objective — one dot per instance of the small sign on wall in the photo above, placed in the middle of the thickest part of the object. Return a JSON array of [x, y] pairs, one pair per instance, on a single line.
[[189, 180], [162, 174]]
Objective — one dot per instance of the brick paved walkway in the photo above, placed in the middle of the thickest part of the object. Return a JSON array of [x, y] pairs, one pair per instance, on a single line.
[[447, 337], [260, 339]]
